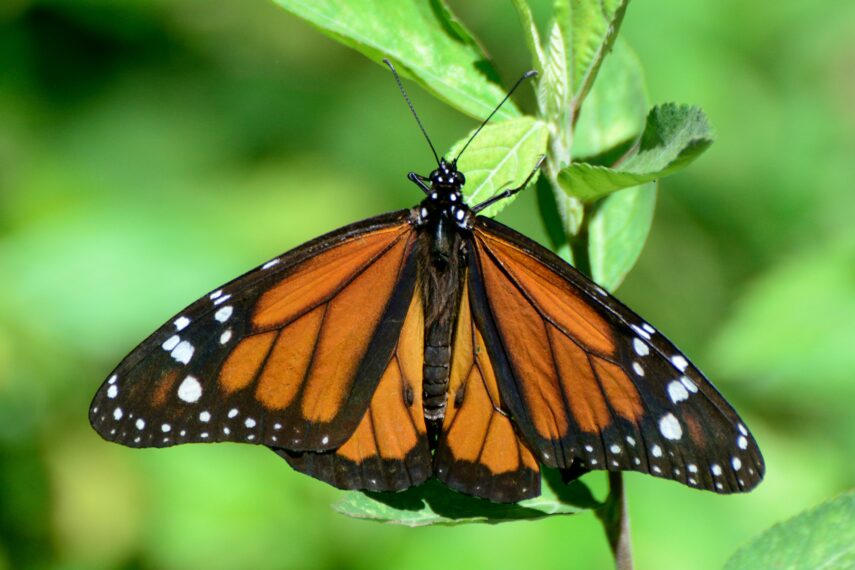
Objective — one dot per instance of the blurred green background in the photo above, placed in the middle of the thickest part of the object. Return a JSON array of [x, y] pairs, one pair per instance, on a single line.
[[150, 150]]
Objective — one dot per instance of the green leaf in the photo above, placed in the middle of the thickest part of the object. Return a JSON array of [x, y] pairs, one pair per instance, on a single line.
[[500, 157], [553, 87], [675, 135], [423, 40], [532, 38], [617, 231], [615, 109], [823, 537], [595, 27], [434, 503]]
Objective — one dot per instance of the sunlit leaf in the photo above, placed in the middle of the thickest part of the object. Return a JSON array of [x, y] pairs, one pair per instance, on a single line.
[[434, 503], [500, 157], [423, 40], [823, 537], [595, 25], [674, 136], [617, 232]]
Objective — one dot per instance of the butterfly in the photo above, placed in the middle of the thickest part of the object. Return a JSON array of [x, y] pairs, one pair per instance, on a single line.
[[429, 342]]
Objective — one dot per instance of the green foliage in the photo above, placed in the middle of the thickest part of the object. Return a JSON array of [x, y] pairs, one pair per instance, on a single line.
[[823, 537], [500, 157], [674, 136], [434, 503], [423, 39]]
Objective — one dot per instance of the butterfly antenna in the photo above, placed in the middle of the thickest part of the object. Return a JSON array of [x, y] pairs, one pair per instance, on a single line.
[[526, 75], [413, 109]]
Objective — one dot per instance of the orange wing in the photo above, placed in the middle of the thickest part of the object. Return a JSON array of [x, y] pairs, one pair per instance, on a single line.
[[273, 357], [389, 450], [589, 383], [479, 452]]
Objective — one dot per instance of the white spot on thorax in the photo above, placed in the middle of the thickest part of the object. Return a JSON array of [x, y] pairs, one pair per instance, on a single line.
[[680, 362], [171, 342], [183, 352], [112, 391], [670, 428], [640, 347], [181, 323], [677, 392], [224, 313], [226, 336], [459, 215], [190, 390]]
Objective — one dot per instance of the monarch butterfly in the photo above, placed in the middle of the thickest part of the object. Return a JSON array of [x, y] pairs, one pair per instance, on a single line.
[[429, 342]]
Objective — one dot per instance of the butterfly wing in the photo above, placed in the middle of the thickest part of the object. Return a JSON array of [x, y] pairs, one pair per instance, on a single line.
[[480, 452], [389, 450], [273, 357], [589, 383]]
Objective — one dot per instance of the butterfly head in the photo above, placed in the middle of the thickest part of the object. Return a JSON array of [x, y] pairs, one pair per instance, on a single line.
[[446, 178]]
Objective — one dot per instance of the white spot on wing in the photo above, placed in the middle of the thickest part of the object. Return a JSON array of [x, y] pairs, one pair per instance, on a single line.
[[112, 391], [250, 423], [181, 323], [270, 263], [224, 313], [742, 442], [742, 429], [325, 440], [112, 379], [171, 342], [630, 440], [166, 428], [656, 450], [117, 414], [641, 348], [641, 332], [648, 328], [716, 469], [737, 463], [677, 392], [615, 448], [638, 368], [669, 427], [205, 416], [140, 423], [680, 362], [190, 390], [226, 336], [215, 294], [589, 448], [690, 386], [233, 412], [183, 352], [692, 468], [221, 300]]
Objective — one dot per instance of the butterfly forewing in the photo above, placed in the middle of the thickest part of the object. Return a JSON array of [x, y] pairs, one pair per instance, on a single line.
[[274, 356], [589, 383]]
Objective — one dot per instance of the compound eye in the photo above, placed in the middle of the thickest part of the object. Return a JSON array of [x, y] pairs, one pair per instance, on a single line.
[[461, 179], [435, 175]]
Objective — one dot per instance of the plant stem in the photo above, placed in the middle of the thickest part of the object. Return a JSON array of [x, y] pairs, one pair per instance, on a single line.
[[615, 519]]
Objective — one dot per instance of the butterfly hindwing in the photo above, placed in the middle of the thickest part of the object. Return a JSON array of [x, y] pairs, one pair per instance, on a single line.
[[274, 356], [480, 452], [389, 449], [589, 383]]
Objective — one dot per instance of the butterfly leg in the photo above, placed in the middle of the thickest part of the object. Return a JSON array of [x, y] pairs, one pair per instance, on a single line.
[[420, 181], [511, 191]]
